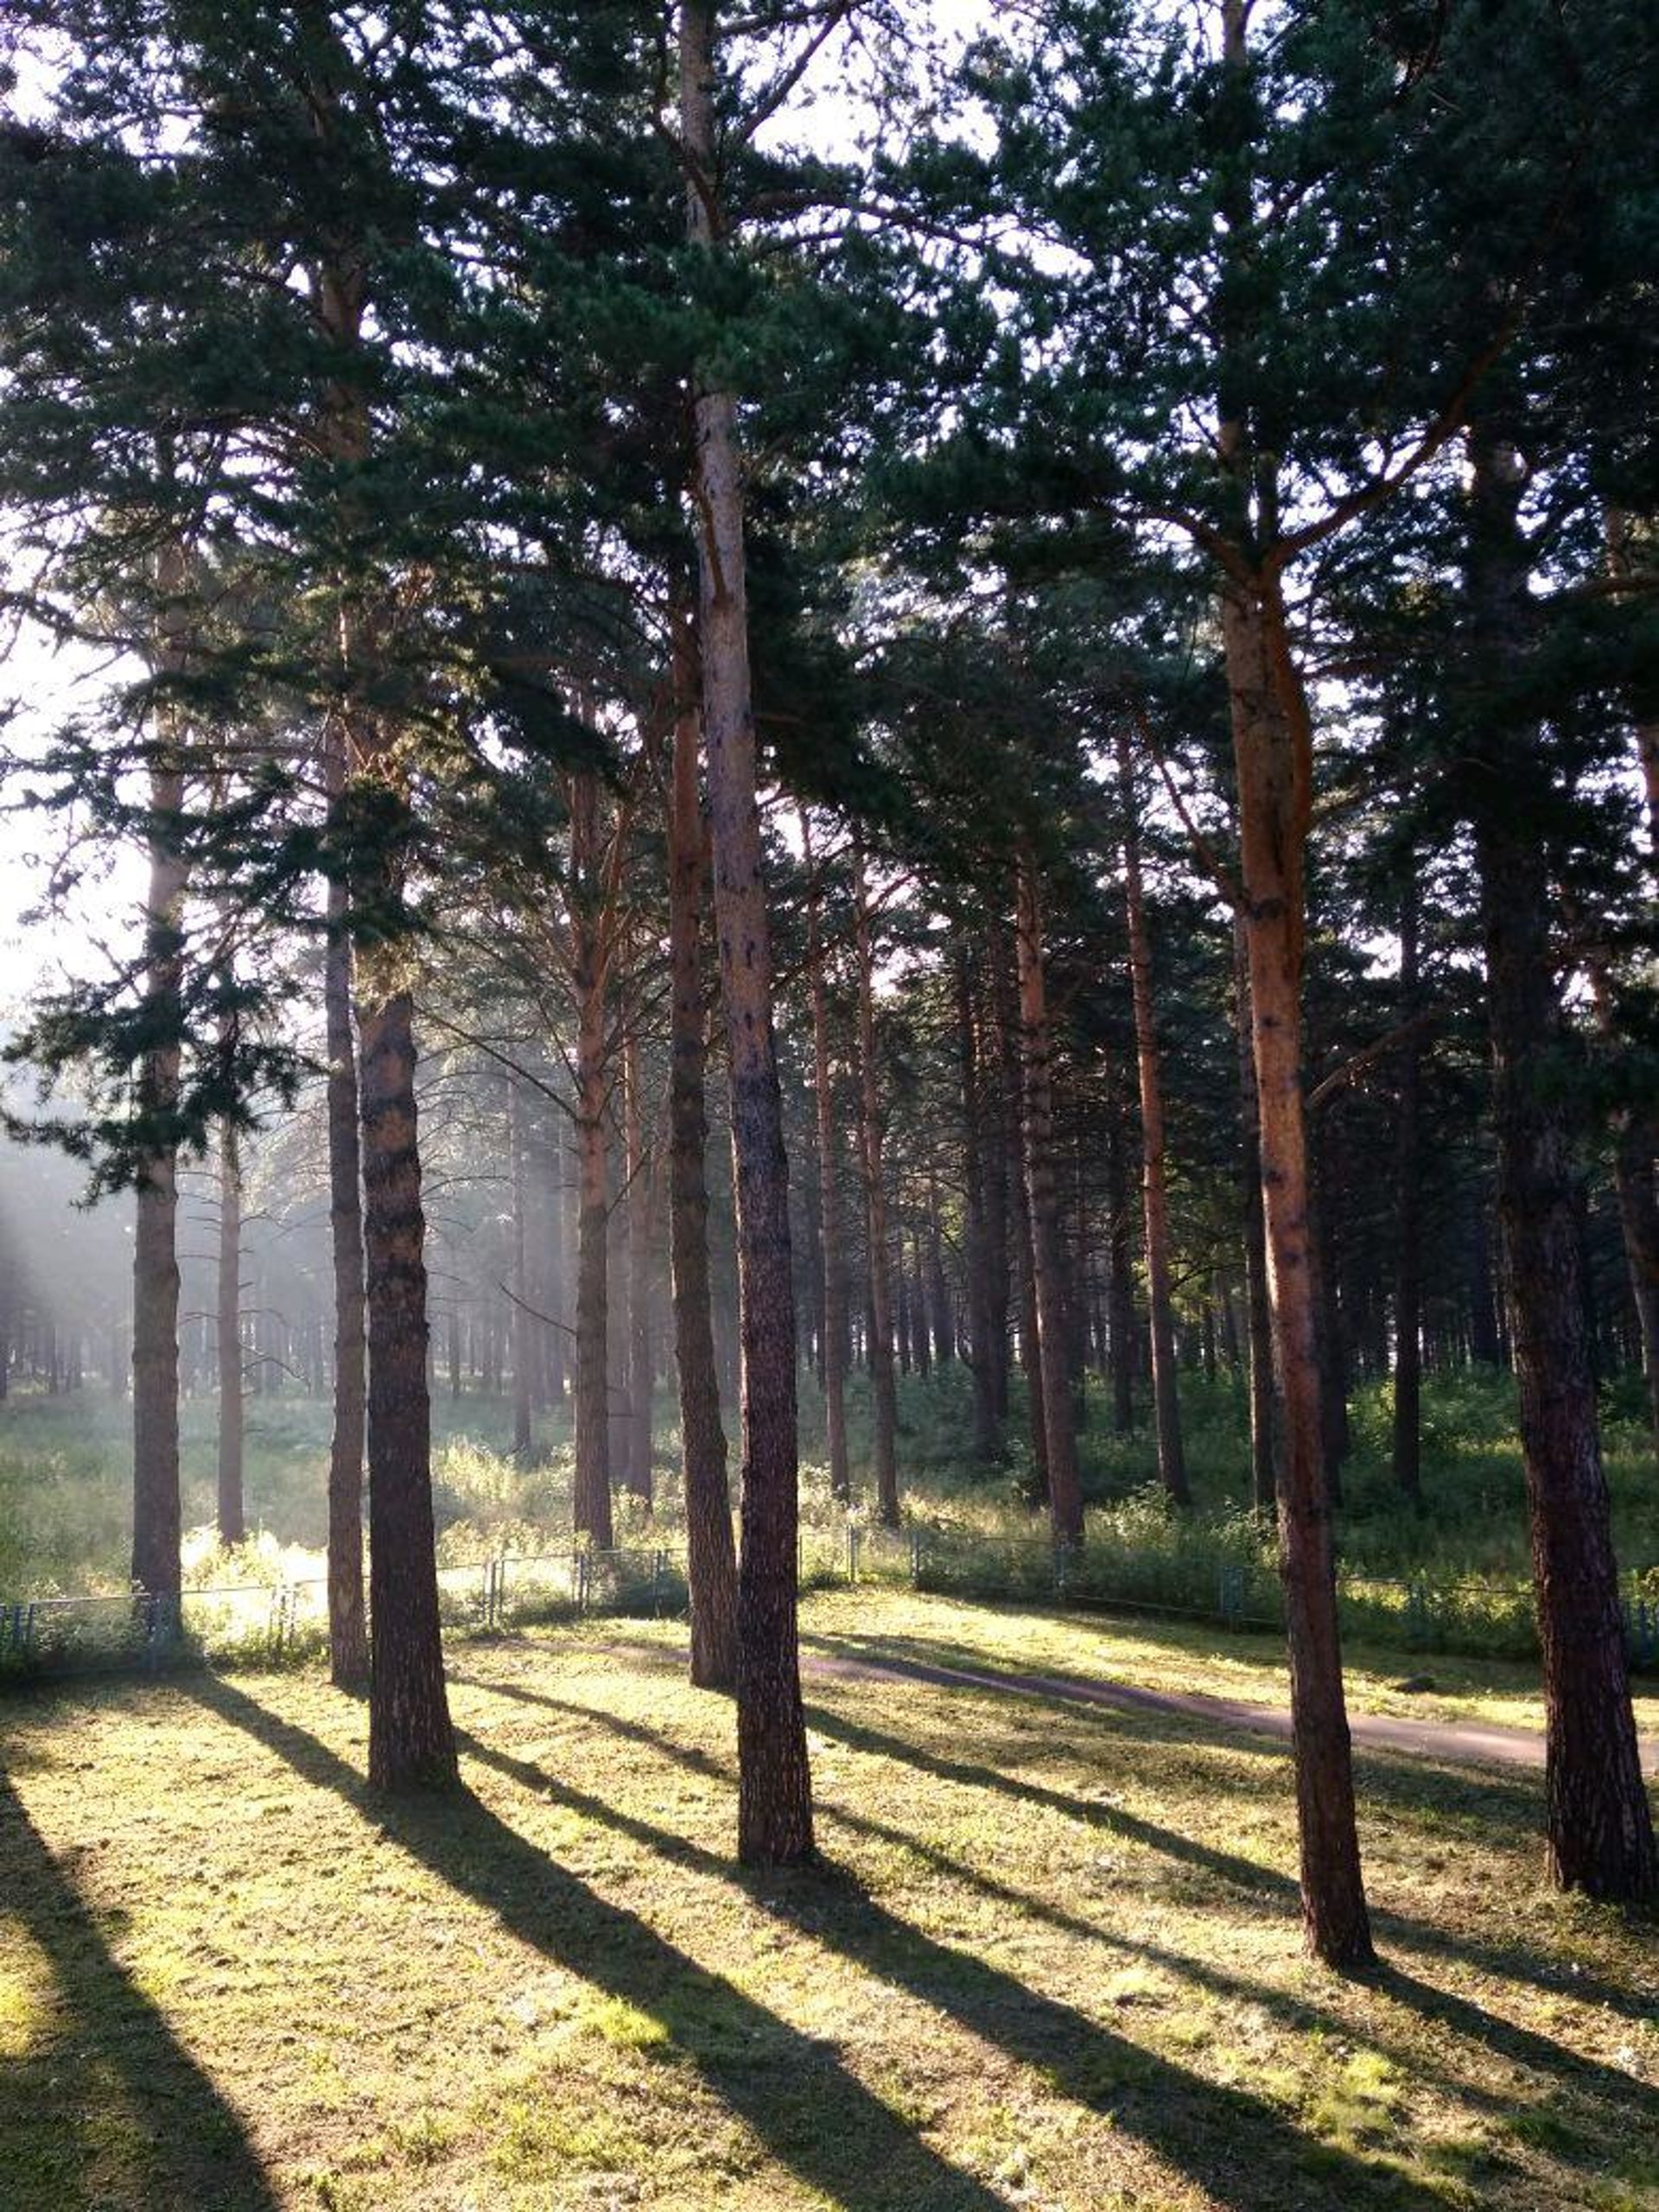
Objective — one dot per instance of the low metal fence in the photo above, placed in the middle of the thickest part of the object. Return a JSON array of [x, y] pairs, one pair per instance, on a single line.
[[271, 1622]]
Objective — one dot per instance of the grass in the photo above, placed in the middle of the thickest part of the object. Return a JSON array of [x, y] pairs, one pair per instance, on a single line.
[[1050, 1957], [63, 1505]]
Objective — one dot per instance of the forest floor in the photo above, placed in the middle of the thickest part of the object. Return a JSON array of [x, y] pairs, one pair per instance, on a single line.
[[1050, 1956]]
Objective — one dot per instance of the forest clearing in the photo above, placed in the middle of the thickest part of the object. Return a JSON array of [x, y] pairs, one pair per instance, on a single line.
[[1046, 1959]]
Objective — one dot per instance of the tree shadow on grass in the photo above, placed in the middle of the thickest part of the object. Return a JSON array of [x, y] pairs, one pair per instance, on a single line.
[[1246, 1879], [1236, 2146], [813, 2116], [110, 2110], [1610, 2094]]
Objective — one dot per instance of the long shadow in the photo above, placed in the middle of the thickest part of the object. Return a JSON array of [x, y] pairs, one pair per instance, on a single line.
[[1213, 2134], [1243, 1876], [813, 2115], [178, 2142], [1296, 2012]]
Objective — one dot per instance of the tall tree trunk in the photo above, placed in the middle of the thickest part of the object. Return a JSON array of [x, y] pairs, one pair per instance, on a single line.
[[829, 1224], [938, 1289], [232, 1522], [1060, 1429], [1325, 1188], [156, 1515], [1408, 1214], [1154, 1201], [524, 1441], [986, 1329], [592, 1499], [411, 1741], [640, 1176], [1119, 1269], [711, 1553], [884, 1403], [1258, 1315], [774, 1780], [1272, 750], [1600, 1829]]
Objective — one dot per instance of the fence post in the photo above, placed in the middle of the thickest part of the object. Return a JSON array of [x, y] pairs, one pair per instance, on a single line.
[[1230, 1592], [915, 1559], [852, 1551], [1416, 1615], [161, 1627]]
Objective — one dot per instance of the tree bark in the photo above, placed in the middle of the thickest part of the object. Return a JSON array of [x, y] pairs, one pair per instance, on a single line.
[[1600, 1829], [410, 1740], [1154, 1201], [1060, 1429], [1409, 1215], [523, 1439], [774, 1780], [348, 1628], [1273, 751], [711, 1554], [156, 1513], [232, 1522], [884, 1402], [1258, 1315], [986, 1328], [592, 1497], [829, 1226], [637, 1468], [1119, 1269]]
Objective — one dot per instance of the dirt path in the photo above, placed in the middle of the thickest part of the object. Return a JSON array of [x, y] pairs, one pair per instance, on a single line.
[[1463, 1744]]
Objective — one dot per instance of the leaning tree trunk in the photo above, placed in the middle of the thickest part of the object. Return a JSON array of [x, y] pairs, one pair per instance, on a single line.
[[232, 1521], [774, 1779], [1059, 1426], [1155, 1198], [1600, 1827], [829, 1226], [884, 1402], [1272, 750], [711, 1554]]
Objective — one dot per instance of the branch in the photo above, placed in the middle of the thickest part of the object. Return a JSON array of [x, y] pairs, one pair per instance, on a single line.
[[1351, 1069]]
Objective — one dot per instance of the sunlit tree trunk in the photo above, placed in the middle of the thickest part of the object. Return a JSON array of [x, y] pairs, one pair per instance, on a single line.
[[774, 1781], [1272, 751], [592, 1501]]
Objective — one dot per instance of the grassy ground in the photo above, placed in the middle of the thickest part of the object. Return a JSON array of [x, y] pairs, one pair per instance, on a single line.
[[1051, 1957]]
